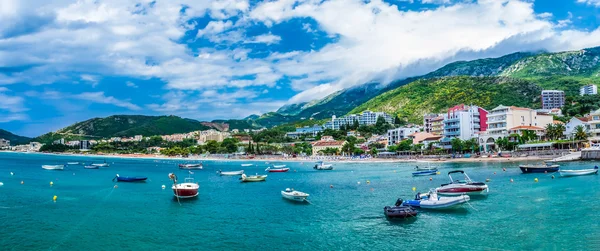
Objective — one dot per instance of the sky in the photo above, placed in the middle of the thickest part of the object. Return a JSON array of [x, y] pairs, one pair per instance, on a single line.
[[65, 61]]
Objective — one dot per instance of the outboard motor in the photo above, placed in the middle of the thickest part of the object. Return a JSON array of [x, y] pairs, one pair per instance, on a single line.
[[418, 196], [399, 202], [315, 166]]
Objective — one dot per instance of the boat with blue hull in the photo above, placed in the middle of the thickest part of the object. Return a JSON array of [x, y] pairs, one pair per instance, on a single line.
[[130, 179], [544, 168], [425, 173]]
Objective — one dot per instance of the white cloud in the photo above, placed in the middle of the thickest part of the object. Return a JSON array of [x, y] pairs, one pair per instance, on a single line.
[[590, 2], [264, 39], [131, 84], [214, 27], [436, 1], [100, 98], [11, 107]]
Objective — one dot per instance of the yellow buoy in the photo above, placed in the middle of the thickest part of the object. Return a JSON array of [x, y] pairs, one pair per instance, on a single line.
[[536, 179], [51, 183], [368, 182], [414, 189], [437, 173], [54, 198]]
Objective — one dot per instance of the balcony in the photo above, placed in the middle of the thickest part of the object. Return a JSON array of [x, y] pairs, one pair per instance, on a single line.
[[452, 127]]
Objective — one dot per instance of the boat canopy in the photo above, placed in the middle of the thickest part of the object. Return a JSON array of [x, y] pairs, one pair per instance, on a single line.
[[457, 171]]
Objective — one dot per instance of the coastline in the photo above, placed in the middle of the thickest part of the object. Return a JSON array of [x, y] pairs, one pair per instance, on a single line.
[[297, 159]]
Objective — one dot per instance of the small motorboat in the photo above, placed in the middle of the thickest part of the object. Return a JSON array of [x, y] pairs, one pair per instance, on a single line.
[[543, 168], [399, 211], [72, 163], [232, 173], [253, 178], [460, 187], [185, 190], [569, 173], [245, 165], [101, 164], [426, 168], [91, 167], [277, 170], [129, 179], [293, 195], [278, 166], [191, 166], [323, 166], [53, 167], [431, 200], [425, 173]]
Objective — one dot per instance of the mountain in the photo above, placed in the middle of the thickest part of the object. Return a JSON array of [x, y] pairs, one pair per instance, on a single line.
[[14, 139], [125, 126]]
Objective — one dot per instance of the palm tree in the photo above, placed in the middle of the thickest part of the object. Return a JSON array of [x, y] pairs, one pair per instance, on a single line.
[[559, 130], [550, 131], [580, 133]]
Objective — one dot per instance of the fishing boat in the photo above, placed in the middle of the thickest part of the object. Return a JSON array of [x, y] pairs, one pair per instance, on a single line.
[[129, 179], [460, 187], [277, 170], [253, 178], [245, 165], [568, 173], [232, 173], [431, 200], [425, 173], [293, 195], [191, 166], [72, 163], [399, 211], [53, 167], [91, 167], [543, 168], [185, 190], [322, 166], [426, 168]]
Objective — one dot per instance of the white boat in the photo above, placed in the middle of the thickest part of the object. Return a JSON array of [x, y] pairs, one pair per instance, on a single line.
[[568, 173], [253, 178], [278, 166], [232, 173], [101, 164], [425, 168], [247, 165], [53, 167], [432, 201], [323, 166], [187, 189], [460, 187], [72, 163], [292, 195]]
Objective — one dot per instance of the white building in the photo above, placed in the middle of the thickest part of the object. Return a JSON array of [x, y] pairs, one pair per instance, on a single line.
[[397, 135], [594, 124], [463, 122], [4, 143], [588, 90], [553, 99], [574, 123], [502, 119], [364, 118]]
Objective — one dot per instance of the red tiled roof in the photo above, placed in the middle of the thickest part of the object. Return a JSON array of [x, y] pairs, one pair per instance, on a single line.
[[584, 119], [533, 128], [558, 122], [520, 108], [432, 138], [328, 143]]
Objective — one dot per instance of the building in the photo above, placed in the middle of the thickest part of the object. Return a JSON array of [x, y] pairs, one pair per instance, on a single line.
[[4, 143], [463, 122], [588, 90], [305, 131], [85, 145], [553, 99], [425, 138], [397, 135], [428, 123], [326, 142], [364, 118], [573, 123], [594, 125], [204, 136], [504, 118], [437, 125], [518, 130]]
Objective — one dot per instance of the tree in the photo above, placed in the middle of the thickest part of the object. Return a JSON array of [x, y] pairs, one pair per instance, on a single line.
[[405, 145], [355, 124], [212, 146], [580, 133], [348, 148], [528, 135], [471, 145], [373, 151], [457, 144], [230, 145], [381, 126], [559, 130]]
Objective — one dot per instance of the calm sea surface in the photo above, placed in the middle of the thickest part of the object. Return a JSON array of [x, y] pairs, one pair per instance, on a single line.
[[552, 214]]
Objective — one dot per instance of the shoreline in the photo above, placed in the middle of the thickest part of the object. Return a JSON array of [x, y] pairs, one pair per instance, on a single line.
[[297, 159]]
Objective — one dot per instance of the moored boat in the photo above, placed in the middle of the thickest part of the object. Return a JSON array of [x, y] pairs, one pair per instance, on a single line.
[[426, 168], [569, 173], [72, 163], [277, 170], [253, 178], [322, 166], [431, 200], [129, 178], [543, 168], [185, 190], [231, 173], [293, 195], [399, 211], [278, 166], [460, 187], [191, 166], [101, 164], [244, 165], [91, 167], [425, 173], [53, 167]]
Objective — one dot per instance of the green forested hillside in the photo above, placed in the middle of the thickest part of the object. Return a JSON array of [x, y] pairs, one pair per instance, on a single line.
[[14, 139]]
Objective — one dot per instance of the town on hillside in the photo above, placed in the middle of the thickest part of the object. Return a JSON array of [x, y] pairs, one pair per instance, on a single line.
[[460, 131]]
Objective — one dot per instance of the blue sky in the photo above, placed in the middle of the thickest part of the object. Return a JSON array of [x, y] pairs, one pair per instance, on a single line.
[[66, 61]]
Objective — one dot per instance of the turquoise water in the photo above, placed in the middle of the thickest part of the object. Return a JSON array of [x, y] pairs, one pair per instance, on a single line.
[[90, 214]]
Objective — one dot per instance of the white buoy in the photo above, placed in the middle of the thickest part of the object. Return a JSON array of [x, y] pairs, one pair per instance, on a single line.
[[11, 174], [163, 186], [1, 184]]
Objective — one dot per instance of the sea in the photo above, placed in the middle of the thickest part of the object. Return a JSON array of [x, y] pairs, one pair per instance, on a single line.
[[345, 209]]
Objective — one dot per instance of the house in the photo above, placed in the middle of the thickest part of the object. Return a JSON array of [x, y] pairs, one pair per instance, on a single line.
[[425, 139], [395, 136], [539, 131], [502, 119], [326, 142], [573, 123]]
